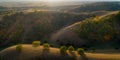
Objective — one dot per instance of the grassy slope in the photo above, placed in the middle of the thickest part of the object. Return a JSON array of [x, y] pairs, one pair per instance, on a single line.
[[65, 35], [35, 25], [30, 53]]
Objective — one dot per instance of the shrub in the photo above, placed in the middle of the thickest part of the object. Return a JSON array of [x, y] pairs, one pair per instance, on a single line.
[[63, 49], [80, 51], [36, 43], [71, 48], [46, 46], [19, 47]]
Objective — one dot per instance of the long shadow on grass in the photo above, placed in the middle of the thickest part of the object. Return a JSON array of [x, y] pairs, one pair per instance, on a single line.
[[83, 57], [46, 55], [67, 57]]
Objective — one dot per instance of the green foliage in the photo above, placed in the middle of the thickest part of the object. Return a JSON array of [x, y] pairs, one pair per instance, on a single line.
[[19, 47], [80, 51], [101, 30], [71, 48], [36, 43], [46, 46], [63, 49]]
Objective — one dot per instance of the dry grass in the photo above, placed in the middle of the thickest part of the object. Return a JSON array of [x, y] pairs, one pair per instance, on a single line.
[[105, 15], [100, 56], [29, 52]]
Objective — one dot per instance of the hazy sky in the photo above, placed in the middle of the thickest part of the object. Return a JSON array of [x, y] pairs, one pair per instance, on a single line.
[[59, 0]]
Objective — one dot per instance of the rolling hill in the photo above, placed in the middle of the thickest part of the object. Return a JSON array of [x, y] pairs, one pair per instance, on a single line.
[[38, 53], [94, 27], [99, 6], [26, 27], [100, 32]]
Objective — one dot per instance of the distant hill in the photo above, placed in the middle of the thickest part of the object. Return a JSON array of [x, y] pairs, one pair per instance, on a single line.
[[99, 32], [39, 3], [26, 27], [98, 6]]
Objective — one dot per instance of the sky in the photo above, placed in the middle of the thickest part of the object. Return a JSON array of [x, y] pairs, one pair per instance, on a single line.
[[59, 0]]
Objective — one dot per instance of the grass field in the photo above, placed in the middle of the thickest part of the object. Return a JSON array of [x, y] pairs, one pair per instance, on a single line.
[[31, 53]]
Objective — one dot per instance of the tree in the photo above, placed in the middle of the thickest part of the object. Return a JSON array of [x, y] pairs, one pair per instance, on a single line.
[[36, 43], [19, 47], [46, 46], [63, 49], [80, 51], [71, 48]]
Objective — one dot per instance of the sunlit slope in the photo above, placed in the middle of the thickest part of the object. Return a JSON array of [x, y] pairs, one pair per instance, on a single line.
[[102, 31], [29, 52]]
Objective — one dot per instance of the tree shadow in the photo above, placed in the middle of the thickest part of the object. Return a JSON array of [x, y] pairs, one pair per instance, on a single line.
[[45, 53], [83, 57], [65, 56]]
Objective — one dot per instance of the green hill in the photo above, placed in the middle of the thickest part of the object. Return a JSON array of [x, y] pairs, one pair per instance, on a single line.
[[26, 27], [94, 32]]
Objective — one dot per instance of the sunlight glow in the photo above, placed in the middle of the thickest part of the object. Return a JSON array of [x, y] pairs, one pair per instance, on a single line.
[[52, 0]]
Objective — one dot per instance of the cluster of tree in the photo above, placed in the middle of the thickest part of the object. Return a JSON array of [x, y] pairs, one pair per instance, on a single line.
[[62, 54], [46, 46]]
